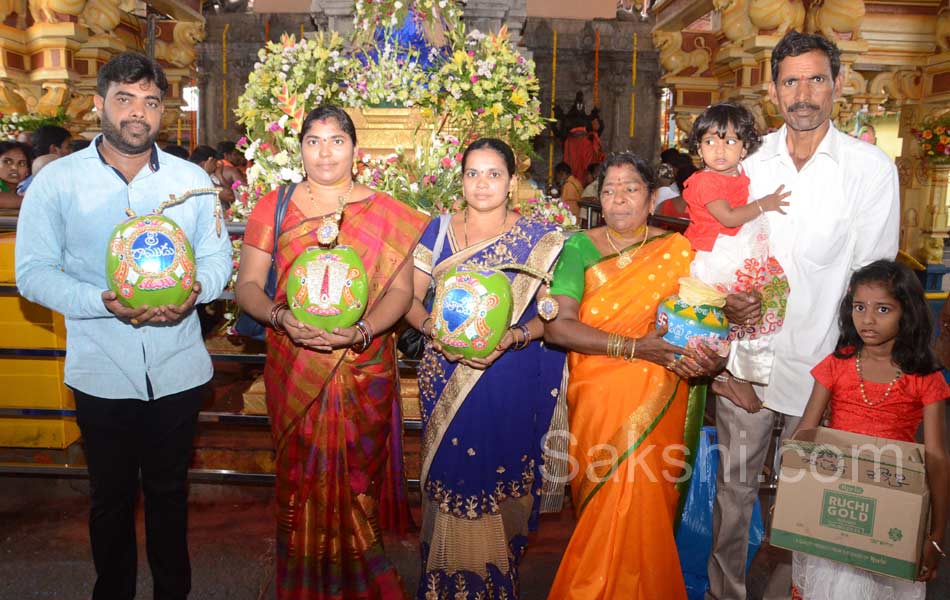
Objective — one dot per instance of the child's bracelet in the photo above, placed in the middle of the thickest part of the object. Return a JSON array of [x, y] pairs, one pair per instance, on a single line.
[[759, 204]]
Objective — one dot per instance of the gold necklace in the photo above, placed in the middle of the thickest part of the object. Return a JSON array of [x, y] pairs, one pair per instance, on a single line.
[[329, 229], [465, 224], [623, 260], [864, 395]]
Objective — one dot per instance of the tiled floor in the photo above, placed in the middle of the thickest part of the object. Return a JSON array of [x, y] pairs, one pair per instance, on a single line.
[[44, 550]]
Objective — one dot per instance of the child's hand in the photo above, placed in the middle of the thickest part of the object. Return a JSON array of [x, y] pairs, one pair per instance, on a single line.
[[930, 562], [775, 201]]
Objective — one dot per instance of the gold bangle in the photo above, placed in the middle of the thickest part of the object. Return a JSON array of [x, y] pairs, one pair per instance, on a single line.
[[633, 349], [759, 204], [616, 345], [939, 549]]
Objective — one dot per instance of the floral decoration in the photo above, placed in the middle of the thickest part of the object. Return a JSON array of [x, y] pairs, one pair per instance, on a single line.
[[547, 209], [13, 124], [431, 176], [933, 136], [438, 18], [476, 85], [390, 76], [488, 89], [290, 76]]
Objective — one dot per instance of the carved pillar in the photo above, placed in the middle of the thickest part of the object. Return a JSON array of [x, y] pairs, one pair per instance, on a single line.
[[926, 193], [52, 48], [337, 14], [14, 65]]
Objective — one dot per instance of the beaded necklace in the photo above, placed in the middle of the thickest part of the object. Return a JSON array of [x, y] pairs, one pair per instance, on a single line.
[[864, 395]]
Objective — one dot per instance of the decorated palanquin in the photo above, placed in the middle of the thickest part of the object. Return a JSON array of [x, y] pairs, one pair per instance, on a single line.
[[895, 59]]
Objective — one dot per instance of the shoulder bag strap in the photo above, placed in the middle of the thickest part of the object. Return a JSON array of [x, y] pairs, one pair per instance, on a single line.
[[283, 199], [444, 219]]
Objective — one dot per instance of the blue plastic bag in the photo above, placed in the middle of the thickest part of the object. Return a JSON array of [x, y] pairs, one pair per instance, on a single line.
[[694, 537]]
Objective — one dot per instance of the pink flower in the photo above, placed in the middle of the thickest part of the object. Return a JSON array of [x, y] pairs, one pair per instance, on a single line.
[[520, 60], [471, 53], [474, 78], [242, 141], [479, 111], [275, 126], [447, 162], [237, 184], [458, 157], [391, 159]]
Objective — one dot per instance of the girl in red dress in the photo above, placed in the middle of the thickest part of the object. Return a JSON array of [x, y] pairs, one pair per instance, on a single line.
[[882, 380]]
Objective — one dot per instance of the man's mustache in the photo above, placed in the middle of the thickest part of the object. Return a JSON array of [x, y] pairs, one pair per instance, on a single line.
[[801, 105], [144, 124]]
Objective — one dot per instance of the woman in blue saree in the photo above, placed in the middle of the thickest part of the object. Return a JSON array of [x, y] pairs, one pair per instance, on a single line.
[[484, 419]]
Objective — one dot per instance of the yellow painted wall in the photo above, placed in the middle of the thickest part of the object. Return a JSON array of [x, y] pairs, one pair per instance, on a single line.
[[887, 140]]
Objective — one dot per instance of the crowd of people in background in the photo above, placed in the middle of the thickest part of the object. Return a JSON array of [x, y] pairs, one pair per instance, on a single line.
[[20, 161]]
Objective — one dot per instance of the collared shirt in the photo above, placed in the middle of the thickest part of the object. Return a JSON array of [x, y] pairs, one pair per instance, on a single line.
[[843, 213], [63, 231]]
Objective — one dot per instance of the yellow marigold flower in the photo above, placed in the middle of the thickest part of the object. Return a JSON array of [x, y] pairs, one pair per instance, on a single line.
[[927, 134], [497, 109], [940, 129], [944, 139]]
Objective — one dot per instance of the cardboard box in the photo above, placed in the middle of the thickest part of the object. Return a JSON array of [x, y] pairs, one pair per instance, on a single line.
[[855, 499]]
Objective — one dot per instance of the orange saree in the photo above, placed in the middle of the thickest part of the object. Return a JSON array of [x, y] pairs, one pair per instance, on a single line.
[[626, 423], [335, 420]]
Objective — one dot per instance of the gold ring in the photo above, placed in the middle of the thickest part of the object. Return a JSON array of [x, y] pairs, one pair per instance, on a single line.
[[670, 365], [134, 321]]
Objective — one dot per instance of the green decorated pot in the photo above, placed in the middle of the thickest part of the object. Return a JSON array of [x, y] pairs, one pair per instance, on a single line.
[[472, 311], [688, 324], [150, 262], [327, 288]]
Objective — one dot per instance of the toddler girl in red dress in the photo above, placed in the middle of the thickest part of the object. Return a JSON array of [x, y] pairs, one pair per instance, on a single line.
[[730, 234]]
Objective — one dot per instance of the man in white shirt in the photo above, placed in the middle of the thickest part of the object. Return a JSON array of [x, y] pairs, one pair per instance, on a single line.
[[843, 214]]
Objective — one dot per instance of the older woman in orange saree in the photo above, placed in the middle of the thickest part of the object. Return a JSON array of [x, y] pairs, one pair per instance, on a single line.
[[630, 408], [333, 396]]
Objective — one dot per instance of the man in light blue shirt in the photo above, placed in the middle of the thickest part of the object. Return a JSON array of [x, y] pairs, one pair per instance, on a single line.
[[138, 375]]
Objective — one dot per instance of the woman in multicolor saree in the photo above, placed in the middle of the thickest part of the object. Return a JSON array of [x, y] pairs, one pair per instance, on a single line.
[[333, 397], [628, 399], [483, 419]]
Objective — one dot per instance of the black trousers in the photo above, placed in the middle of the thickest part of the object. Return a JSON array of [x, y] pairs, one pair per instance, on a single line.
[[123, 438]]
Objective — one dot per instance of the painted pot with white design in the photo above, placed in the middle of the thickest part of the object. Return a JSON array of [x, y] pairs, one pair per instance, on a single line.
[[328, 288]]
